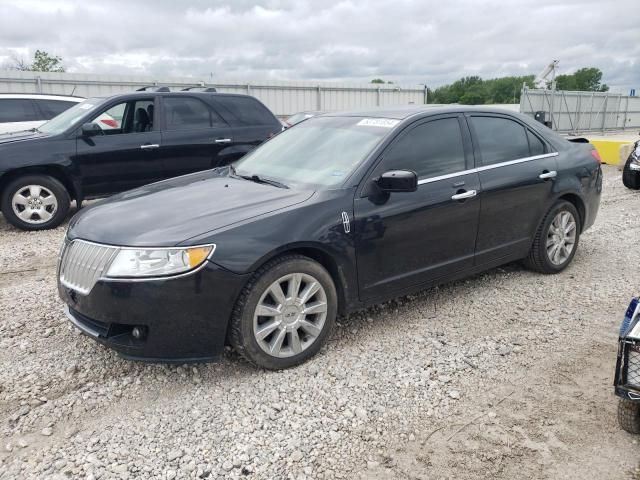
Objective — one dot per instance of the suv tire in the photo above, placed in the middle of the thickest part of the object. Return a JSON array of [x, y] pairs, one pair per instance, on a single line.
[[284, 289], [542, 256], [629, 415], [630, 178], [35, 202]]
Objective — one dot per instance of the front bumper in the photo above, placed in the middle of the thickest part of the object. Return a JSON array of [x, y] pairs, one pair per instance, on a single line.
[[182, 319], [627, 376]]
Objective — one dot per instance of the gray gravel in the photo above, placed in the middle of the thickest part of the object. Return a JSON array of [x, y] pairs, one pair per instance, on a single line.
[[459, 381]]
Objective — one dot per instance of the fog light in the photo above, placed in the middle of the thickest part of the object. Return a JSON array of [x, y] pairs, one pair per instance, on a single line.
[[138, 332]]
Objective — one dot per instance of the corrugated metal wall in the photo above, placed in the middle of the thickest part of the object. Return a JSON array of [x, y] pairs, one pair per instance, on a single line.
[[575, 112], [283, 98]]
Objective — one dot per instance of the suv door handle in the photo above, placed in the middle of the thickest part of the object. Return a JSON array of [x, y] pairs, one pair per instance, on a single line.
[[547, 175], [222, 140], [149, 146], [464, 195]]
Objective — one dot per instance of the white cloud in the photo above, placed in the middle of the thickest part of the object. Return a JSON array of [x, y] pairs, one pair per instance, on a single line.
[[408, 41]]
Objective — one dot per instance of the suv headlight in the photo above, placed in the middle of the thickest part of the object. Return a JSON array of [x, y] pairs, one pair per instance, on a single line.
[[157, 262]]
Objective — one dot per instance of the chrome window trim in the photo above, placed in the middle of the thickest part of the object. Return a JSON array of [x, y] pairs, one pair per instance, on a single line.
[[487, 167]]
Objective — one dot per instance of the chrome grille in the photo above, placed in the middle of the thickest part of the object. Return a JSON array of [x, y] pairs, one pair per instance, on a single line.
[[83, 263], [633, 366]]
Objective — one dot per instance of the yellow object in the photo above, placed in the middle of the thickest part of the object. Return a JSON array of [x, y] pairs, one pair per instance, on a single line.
[[609, 150], [198, 255]]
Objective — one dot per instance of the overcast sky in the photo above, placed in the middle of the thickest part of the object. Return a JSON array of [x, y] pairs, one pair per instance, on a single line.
[[406, 41]]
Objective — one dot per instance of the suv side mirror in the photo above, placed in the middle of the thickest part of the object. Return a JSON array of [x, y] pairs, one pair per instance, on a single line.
[[398, 181], [91, 129]]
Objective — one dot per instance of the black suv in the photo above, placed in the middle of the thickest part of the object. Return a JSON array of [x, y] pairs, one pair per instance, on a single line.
[[111, 144]]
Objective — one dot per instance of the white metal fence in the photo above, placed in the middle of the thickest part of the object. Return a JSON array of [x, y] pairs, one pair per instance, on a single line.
[[575, 112], [283, 98]]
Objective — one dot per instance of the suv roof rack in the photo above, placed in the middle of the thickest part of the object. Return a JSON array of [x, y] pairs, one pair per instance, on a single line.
[[153, 88], [200, 89]]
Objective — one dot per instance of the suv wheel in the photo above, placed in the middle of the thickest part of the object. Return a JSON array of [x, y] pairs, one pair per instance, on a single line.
[[556, 240], [630, 178], [35, 202], [285, 313]]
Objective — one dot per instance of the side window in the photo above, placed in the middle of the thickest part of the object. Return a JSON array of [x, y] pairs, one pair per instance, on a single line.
[[245, 111], [536, 147], [188, 113], [18, 110], [52, 108], [134, 116], [500, 139], [430, 149]]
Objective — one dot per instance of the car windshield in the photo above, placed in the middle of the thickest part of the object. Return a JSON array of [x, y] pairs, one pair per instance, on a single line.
[[322, 151], [67, 118]]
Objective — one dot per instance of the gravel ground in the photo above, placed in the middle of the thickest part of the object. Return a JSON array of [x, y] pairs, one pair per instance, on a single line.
[[504, 375]]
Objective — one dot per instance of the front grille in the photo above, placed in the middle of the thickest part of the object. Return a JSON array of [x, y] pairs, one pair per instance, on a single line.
[[83, 263], [633, 366]]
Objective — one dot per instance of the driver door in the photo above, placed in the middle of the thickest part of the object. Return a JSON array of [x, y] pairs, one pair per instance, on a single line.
[[408, 239], [125, 154]]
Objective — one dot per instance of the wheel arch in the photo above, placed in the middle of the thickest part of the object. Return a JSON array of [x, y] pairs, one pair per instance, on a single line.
[[323, 257], [54, 171], [577, 202]]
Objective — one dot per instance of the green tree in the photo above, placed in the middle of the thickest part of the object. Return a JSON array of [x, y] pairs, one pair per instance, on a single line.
[[586, 79], [43, 62], [378, 80]]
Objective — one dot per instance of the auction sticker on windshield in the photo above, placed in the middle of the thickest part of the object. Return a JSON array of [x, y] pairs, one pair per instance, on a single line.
[[378, 122]]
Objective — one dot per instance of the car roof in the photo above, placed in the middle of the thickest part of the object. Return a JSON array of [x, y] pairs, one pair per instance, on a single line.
[[406, 111], [152, 94], [44, 96]]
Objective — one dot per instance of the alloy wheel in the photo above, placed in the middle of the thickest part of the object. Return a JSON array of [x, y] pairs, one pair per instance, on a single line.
[[561, 237], [290, 315], [34, 204]]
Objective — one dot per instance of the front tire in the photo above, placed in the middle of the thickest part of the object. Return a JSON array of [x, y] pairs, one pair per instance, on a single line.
[[630, 178], [285, 313], [556, 240], [629, 415], [35, 202]]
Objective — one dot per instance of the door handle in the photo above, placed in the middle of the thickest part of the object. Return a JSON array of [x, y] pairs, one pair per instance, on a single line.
[[547, 175], [222, 140], [149, 146], [464, 195]]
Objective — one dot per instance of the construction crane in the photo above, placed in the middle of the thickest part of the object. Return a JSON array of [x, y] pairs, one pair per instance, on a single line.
[[541, 79]]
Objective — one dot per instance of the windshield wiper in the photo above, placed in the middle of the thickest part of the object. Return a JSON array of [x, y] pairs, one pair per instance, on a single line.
[[257, 178]]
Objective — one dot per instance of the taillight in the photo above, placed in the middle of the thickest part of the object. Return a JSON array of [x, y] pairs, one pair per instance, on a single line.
[[596, 155], [111, 123]]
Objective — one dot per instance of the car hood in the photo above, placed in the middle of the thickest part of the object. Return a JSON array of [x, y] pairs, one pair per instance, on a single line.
[[170, 212], [20, 136]]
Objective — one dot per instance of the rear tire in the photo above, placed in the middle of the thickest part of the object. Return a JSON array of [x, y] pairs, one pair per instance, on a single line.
[[285, 313], [35, 202], [542, 258], [630, 178], [629, 415]]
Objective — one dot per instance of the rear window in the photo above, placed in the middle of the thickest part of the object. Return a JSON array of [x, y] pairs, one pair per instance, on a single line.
[[52, 108], [17, 110], [245, 111], [186, 113]]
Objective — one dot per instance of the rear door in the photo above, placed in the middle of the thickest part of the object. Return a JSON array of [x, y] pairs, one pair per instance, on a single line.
[[125, 155], [517, 170], [252, 123], [194, 135], [406, 239]]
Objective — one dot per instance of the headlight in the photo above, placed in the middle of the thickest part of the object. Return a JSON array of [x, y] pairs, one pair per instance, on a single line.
[[158, 262]]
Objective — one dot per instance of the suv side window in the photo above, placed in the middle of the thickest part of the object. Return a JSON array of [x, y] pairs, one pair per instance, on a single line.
[[185, 113], [52, 108], [430, 149], [18, 110], [500, 139], [134, 116], [245, 111]]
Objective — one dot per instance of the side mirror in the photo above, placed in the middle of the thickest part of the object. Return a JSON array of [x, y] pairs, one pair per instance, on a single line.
[[91, 129], [398, 181]]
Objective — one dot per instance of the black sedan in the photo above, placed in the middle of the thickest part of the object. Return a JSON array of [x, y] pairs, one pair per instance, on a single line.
[[341, 212]]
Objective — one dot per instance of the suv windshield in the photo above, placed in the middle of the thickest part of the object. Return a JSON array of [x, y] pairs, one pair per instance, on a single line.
[[321, 151], [67, 118]]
